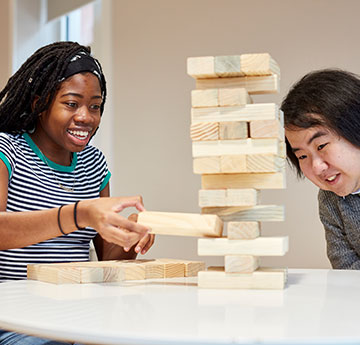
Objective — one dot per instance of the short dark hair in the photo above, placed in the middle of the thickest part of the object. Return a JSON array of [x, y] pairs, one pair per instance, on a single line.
[[329, 97], [38, 77]]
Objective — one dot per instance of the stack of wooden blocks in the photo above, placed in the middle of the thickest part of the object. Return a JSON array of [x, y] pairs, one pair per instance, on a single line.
[[238, 148]]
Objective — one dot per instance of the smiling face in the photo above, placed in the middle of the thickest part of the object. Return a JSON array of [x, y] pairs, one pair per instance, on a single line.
[[326, 159], [71, 119]]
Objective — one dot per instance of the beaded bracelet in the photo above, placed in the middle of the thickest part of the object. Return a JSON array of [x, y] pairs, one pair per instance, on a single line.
[[58, 219], [75, 216]]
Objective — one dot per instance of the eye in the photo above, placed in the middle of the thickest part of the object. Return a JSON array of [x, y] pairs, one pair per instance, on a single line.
[[300, 158], [320, 147], [71, 104], [95, 107]]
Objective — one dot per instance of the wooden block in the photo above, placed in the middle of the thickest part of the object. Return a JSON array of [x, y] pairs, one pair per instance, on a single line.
[[243, 230], [258, 64], [242, 197], [232, 130], [228, 197], [261, 246], [65, 274], [233, 164], [253, 85], [173, 268], [152, 268], [235, 147], [241, 263], [264, 163], [191, 267], [253, 163], [257, 181], [201, 67], [233, 97], [205, 98], [248, 112], [215, 197], [260, 279], [267, 129], [228, 66], [204, 131], [181, 224], [261, 213], [206, 165]]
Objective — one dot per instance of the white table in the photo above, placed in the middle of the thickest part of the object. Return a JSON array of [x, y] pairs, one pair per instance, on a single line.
[[317, 307]]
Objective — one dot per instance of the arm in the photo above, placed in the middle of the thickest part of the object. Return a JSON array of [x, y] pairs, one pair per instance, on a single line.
[[111, 251], [339, 250], [20, 229]]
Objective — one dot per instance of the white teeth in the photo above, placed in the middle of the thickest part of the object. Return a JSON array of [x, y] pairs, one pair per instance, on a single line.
[[82, 134], [332, 178]]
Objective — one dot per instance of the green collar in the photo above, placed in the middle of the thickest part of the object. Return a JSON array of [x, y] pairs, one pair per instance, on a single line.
[[51, 164]]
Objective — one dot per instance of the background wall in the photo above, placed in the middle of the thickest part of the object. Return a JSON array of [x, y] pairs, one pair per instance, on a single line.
[[145, 132], [6, 42], [152, 147]]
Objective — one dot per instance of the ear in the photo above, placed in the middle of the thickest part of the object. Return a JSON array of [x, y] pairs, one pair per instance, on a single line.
[[33, 104]]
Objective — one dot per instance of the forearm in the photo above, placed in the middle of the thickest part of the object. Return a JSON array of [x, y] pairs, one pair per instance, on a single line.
[[21, 229]]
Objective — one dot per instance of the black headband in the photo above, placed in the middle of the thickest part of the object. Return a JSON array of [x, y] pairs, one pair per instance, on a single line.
[[83, 62]]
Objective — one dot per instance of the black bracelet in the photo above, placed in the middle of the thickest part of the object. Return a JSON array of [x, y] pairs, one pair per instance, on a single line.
[[58, 218], [75, 216]]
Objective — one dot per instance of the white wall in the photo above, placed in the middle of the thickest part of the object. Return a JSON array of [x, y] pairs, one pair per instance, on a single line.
[[152, 149], [31, 29]]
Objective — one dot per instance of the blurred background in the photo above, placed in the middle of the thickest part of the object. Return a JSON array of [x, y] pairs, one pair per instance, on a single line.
[[145, 131]]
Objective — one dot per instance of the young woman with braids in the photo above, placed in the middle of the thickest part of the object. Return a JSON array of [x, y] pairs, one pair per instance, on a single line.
[[54, 187], [322, 126]]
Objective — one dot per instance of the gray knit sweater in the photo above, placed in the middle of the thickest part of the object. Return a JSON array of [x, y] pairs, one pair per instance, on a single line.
[[341, 219]]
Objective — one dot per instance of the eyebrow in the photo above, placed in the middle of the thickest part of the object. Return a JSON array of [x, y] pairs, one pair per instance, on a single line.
[[317, 134], [77, 95]]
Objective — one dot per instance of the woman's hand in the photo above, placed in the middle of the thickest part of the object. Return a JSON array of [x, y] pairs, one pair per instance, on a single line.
[[145, 243], [103, 215]]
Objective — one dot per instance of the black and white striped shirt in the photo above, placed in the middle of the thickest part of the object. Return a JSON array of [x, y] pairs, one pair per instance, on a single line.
[[34, 184]]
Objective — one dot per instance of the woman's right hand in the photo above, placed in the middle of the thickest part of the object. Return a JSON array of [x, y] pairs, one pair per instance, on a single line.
[[103, 215]]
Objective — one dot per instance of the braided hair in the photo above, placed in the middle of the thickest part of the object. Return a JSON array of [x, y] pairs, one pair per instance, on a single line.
[[38, 78]]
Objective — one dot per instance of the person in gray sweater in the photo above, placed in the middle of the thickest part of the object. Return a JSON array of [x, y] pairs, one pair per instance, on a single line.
[[322, 128]]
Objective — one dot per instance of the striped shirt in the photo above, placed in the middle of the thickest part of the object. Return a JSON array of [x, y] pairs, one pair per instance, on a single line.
[[35, 184]]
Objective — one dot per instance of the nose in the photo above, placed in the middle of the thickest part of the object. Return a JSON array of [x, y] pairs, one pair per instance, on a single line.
[[319, 165], [83, 115]]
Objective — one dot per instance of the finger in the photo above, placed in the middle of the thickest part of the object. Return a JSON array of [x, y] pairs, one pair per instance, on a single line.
[[133, 217], [120, 237], [139, 247], [121, 222], [129, 203], [149, 244]]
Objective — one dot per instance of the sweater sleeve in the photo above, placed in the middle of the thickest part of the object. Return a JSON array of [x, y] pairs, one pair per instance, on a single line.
[[339, 249]]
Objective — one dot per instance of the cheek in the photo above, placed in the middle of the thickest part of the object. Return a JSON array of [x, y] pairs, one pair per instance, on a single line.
[[306, 169]]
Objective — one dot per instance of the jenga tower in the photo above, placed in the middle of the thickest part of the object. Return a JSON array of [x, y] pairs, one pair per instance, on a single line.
[[238, 148]]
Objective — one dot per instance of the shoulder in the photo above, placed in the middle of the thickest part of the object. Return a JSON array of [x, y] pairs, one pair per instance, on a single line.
[[10, 139], [91, 153], [326, 197]]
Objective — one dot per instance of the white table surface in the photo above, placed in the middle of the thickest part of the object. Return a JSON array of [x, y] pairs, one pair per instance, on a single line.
[[316, 307]]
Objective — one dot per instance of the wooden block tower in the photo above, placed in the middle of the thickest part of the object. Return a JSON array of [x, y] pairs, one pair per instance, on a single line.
[[238, 148]]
